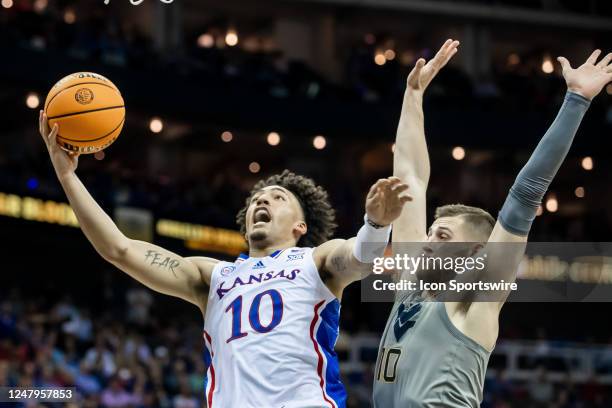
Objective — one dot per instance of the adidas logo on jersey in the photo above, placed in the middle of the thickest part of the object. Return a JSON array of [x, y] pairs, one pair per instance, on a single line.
[[259, 265]]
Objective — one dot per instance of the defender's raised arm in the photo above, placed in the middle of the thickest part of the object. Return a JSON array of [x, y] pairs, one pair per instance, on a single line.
[[410, 158], [526, 194], [519, 210]]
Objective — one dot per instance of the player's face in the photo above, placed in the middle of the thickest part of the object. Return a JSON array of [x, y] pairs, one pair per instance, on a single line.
[[274, 217], [448, 229], [447, 237]]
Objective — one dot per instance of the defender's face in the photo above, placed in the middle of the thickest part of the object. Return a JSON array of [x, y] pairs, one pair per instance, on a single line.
[[274, 215], [443, 232], [448, 229]]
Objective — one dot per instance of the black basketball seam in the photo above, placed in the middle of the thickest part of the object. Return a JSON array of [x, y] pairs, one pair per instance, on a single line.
[[93, 140], [80, 113], [80, 83]]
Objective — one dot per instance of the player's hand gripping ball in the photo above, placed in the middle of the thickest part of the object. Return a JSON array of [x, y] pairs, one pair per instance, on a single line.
[[89, 110]]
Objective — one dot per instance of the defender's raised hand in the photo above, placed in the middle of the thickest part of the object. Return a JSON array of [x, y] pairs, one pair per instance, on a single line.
[[422, 73], [591, 77], [63, 162], [385, 200]]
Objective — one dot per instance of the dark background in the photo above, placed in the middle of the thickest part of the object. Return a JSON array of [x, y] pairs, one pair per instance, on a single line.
[[300, 68]]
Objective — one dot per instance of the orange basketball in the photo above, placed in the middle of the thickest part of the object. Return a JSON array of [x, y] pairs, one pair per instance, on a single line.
[[89, 110]]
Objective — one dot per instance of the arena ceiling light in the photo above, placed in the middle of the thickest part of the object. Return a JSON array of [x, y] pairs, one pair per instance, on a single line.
[[319, 142], [389, 55], [587, 163], [32, 100], [206, 40], [69, 16], [379, 58], [552, 205], [227, 136], [254, 167], [273, 139], [458, 153], [231, 37], [40, 5], [156, 125], [547, 65], [514, 59]]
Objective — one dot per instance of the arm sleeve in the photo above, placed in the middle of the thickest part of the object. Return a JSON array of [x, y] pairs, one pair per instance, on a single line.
[[521, 205]]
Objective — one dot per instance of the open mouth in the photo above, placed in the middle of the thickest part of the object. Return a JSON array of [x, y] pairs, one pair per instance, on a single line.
[[261, 215]]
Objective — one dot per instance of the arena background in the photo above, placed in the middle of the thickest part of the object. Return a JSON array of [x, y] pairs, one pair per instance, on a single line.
[[219, 94]]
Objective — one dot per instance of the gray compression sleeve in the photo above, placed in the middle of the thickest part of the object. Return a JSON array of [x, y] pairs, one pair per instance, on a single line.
[[519, 210]]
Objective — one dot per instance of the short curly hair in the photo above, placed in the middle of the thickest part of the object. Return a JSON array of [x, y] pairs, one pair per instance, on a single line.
[[319, 215]]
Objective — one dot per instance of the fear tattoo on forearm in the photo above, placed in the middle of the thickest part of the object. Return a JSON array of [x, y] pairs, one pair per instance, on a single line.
[[162, 261]]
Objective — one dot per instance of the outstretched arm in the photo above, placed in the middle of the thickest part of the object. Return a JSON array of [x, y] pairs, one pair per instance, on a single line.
[[410, 158], [155, 267], [520, 207], [349, 260], [519, 210]]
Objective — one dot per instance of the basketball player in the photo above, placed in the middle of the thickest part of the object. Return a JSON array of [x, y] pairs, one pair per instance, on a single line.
[[434, 354], [271, 317]]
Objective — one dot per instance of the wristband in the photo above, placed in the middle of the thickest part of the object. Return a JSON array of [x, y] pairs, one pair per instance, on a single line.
[[372, 223], [371, 242]]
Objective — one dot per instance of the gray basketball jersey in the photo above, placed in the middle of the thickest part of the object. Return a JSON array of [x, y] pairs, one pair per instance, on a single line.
[[424, 361]]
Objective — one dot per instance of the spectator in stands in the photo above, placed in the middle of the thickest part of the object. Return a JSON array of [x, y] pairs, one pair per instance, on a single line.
[[116, 396], [541, 391], [85, 380], [498, 389], [185, 398], [100, 358], [603, 360], [139, 301]]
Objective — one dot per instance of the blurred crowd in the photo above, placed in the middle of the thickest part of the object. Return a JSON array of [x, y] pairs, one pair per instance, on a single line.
[[113, 362], [126, 356], [540, 392]]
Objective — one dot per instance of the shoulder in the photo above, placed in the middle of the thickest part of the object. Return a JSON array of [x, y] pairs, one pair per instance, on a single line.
[[201, 289], [205, 266], [323, 251]]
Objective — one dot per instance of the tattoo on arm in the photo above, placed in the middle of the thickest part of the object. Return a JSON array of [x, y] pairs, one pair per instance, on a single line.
[[162, 261], [339, 263]]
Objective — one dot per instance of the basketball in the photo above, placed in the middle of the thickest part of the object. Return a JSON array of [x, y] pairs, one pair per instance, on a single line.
[[89, 110]]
